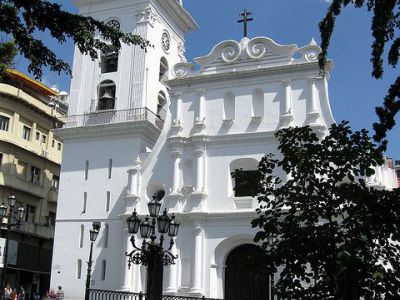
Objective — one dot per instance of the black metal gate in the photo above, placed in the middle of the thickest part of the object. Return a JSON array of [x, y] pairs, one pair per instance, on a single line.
[[246, 277]]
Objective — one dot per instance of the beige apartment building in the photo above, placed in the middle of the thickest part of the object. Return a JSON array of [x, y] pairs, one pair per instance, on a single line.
[[30, 160]]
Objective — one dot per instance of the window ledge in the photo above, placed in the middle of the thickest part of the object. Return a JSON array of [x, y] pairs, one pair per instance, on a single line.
[[245, 202]]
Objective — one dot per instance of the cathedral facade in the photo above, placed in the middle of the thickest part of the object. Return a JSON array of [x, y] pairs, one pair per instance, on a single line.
[[143, 122]]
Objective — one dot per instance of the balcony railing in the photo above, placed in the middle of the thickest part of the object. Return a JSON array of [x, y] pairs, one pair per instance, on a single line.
[[117, 295], [113, 117]]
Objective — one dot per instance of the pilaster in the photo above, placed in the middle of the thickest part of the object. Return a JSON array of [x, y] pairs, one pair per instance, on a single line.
[[199, 124], [286, 119], [312, 113]]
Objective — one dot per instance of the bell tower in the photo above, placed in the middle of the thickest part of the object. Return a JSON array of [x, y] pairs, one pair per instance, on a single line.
[[130, 78]]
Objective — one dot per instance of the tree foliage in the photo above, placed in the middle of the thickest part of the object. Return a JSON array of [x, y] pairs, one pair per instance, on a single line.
[[8, 51], [385, 24], [324, 228], [22, 20]]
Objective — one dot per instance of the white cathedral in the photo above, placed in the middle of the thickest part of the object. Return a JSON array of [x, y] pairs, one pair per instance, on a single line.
[[142, 122]]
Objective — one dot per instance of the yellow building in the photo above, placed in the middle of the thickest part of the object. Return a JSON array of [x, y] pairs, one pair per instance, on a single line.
[[30, 159]]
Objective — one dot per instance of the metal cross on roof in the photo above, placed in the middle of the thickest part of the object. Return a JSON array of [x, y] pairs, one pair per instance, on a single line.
[[245, 19]]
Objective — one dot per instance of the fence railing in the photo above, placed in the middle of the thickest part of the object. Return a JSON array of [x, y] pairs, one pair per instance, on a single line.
[[119, 295], [113, 117]]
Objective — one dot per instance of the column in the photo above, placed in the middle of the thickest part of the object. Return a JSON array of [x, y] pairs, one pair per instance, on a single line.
[[173, 272], [286, 116], [126, 272], [178, 111], [200, 152], [201, 115], [312, 113], [177, 156], [197, 270]]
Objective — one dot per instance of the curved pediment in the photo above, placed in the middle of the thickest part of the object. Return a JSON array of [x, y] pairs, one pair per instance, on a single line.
[[261, 49]]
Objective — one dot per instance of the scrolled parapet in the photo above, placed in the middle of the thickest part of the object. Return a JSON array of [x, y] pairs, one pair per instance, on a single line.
[[261, 47], [310, 52], [183, 69]]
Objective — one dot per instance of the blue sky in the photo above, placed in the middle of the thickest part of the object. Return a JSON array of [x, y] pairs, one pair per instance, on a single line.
[[353, 92]]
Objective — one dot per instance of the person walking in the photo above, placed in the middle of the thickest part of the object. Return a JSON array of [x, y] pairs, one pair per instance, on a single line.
[[21, 294], [7, 292]]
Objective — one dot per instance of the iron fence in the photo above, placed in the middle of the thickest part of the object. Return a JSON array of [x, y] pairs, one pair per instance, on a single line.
[[95, 294], [113, 117]]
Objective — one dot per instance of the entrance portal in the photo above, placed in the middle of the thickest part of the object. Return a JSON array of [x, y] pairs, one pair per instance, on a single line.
[[246, 277]]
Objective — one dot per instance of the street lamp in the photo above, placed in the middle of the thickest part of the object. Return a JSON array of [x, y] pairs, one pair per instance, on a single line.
[[152, 254], [9, 218], [93, 233]]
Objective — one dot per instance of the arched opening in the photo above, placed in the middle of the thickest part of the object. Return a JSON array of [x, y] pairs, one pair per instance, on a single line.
[[106, 95], [163, 69], [246, 277], [161, 105]]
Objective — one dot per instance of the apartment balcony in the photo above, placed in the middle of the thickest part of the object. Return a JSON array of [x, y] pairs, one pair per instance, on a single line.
[[104, 117], [16, 182], [42, 230]]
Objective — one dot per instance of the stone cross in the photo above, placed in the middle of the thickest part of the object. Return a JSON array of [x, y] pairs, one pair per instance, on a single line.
[[244, 20]]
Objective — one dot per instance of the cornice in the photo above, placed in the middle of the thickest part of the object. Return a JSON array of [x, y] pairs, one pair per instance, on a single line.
[[287, 70], [143, 127]]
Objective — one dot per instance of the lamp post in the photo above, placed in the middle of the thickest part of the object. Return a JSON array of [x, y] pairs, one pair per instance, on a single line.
[[13, 219], [93, 233], [151, 253]]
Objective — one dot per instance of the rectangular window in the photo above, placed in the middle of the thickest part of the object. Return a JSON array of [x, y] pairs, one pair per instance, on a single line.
[[244, 183], [108, 197], [84, 202], [52, 218], [103, 269], [30, 213], [81, 236], [44, 138], [79, 269], [59, 146], [35, 175], [86, 170], [109, 168], [55, 182], [37, 135], [26, 133], [53, 143], [4, 123]]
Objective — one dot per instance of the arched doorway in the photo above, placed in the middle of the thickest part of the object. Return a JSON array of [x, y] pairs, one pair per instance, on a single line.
[[246, 277]]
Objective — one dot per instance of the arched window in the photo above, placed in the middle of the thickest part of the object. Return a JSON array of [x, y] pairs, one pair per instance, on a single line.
[[106, 95], [161, 105], [243, 182], [109, 60], [163, 69]]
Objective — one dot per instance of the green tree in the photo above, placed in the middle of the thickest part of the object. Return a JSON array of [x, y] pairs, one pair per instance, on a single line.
[[385, 24], [328, 233], [22, 20], [8, 51]]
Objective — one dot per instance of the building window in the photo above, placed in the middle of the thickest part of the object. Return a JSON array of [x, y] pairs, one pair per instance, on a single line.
[[103, 269], [37, 135], [81, 236], [55, 182], [84, 202], [109, 60], [4, 123], [244, 182], [52, 218], [53, 143], [109, 168], [59, 146], [161, 105], [86, 170], [30, 213], [26, 133], [106, 95], [79, 269], [105, 235], [163, 69], [44, 138], [108, 201], [35, 175]]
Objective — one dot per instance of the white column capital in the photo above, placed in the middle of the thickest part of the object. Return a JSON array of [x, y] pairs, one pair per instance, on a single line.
[[201, 92], [175, 95]]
